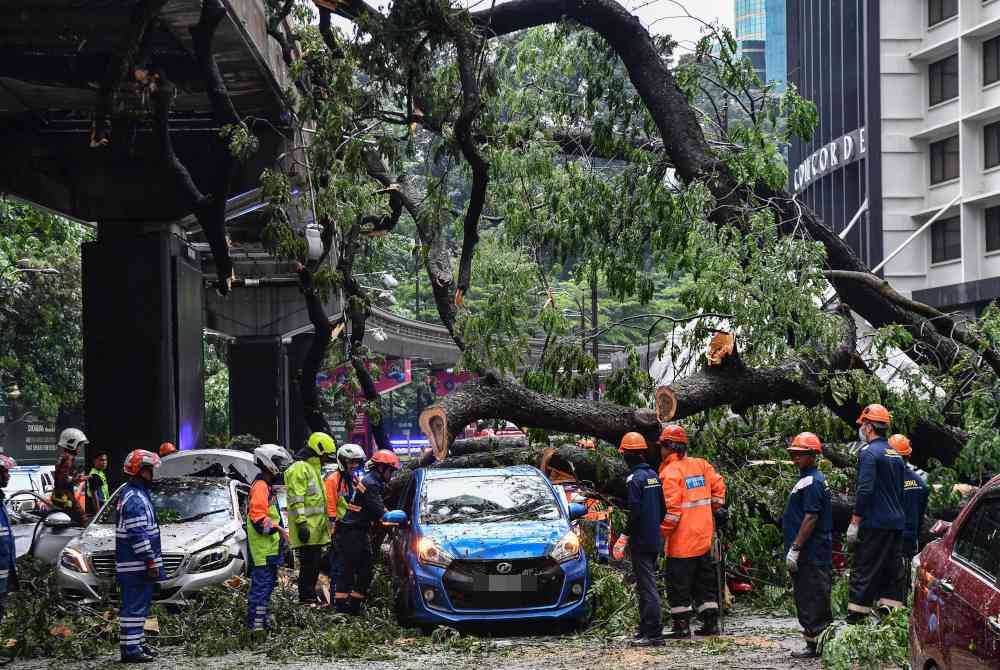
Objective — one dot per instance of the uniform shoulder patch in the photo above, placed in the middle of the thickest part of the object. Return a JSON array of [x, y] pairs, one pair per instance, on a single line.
[[804, 482]]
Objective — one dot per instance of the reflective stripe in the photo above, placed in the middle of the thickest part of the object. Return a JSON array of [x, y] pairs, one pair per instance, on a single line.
[[718, 501], [708, 606], [696, 503], [679, 610], [860, 609], [360, 486], [353, 508], [672, 517], [306, 511], [295, 499]]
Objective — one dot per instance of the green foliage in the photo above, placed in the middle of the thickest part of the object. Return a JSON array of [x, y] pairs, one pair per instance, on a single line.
[[240, 140], [869, 646], [41, 347]]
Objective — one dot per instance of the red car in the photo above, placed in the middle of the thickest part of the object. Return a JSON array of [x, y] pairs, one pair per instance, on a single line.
[[955, 622]]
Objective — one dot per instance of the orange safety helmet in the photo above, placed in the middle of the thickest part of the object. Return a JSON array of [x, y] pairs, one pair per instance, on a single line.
[[167, 448], [673, 433], [386, 457], [875, 414], [138, 459], [632, 442], [806, 442], [901, 444]]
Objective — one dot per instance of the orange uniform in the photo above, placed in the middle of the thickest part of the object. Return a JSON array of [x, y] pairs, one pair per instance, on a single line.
[[332, 484], [692, 490]]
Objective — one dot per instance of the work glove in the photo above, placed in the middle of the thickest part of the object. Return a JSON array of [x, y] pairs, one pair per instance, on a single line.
[[302, 532], [852, 534], [792, 560], [618, 552]]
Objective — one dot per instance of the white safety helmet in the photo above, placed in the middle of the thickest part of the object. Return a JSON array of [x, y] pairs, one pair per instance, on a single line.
[[273, 458], [350, 452], [72, 439]]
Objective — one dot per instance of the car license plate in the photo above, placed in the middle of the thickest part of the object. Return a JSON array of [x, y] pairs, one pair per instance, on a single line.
[[506, 583]]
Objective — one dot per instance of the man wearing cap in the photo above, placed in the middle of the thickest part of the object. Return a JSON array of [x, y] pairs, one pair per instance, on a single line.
[[807, 525], [692, 491], [642, 535], [878, 521], [915, 494]]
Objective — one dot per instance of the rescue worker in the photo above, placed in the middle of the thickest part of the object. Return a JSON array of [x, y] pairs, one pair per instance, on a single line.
[[63, 498], [915, 495], [693, 491], [8, 554], [166, 449], [807, 525], [266, 537], [878, 520], [138, 562], [339, 488], [309, 530], [642, 535], [353, 543], [97, 491]]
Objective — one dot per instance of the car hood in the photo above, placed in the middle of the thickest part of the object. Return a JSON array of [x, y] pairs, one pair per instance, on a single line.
[[520, 539], [178, 538]]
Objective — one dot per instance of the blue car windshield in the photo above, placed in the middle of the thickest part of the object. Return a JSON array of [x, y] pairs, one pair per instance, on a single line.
[[487, 499]]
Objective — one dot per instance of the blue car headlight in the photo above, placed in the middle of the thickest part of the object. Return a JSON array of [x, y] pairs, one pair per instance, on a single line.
[[430, 552], [566, 549]]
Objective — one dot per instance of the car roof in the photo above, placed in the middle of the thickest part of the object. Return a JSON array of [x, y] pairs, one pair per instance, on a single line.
[[451, 473], [28, 468]]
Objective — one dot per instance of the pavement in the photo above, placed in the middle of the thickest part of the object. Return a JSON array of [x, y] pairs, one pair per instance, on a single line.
[[752, 642]]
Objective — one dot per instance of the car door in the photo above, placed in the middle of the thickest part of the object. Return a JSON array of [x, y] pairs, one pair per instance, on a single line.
[[401, 539], [969, 596]]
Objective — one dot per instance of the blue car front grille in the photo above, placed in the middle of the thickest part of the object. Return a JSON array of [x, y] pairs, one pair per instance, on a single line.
[[503, 585]]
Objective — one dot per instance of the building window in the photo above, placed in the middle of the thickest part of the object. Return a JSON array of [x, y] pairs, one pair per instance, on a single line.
[[991, 144], [944, 160], [939, 10], [991, 61], [993, 229], [946, 240], [944, 79]]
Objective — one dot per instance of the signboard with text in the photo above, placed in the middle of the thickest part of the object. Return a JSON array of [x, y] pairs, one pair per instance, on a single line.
[[31, 441]]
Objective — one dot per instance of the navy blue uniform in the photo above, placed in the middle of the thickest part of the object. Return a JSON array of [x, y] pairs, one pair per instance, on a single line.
[[879, 492], [877, 573], [137, 548], [353, 545], [812, 582], [915, 494], [646, 509], [810, 495], [8, 557]]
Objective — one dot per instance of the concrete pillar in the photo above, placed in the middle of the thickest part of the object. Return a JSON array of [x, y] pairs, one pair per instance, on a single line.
[[258, 390], [142, 328]]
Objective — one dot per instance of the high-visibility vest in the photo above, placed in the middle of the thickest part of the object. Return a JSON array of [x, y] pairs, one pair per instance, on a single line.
[[105, 491], [307, 501], [692, 489], [263, 545]]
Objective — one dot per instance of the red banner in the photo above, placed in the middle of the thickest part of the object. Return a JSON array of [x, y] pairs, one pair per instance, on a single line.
[[396, 373]]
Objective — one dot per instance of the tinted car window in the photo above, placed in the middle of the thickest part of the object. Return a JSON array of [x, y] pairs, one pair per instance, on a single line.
[[19, 482], [180, 500], [979, 538], [487, 499]]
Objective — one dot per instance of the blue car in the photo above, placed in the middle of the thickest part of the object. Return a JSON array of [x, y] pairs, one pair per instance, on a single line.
[[486, 545]]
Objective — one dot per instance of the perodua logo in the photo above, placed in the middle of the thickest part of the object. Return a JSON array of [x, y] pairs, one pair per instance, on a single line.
[[504, 568]]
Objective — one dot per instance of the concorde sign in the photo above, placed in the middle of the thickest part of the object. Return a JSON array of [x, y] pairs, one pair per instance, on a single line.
[[831, 156]]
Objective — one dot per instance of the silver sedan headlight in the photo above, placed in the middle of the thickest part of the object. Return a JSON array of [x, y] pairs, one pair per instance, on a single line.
[[215, 557], [73, 560]]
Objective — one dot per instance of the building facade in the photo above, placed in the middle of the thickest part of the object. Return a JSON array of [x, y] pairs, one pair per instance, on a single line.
[[833, 60], [751, 33], [775, 43], [907, 153]]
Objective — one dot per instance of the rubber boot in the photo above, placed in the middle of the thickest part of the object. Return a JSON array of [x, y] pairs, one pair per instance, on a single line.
[[809, 651], [709, 623], [681, 627], [856, 617]]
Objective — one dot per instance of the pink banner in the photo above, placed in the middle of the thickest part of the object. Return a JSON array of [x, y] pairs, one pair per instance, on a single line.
[[446, 382], [396, 373]]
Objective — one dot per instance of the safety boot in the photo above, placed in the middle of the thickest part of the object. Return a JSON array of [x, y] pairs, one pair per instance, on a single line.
[[809, 651], [648, 642], [141, 657], [680, 628], [709, 624]]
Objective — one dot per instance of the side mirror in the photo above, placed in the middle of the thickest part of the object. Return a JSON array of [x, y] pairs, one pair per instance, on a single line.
[[940, 528], [577, 510], [58, 520], [396, 517]]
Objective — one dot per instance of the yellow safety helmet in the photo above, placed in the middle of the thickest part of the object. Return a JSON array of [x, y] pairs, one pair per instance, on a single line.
[[322, 444]]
